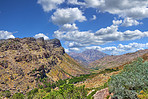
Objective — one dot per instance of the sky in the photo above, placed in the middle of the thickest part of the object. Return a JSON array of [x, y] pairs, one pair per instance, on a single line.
[[112, 26]]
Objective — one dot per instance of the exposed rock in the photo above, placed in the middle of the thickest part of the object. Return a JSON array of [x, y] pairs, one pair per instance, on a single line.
[[54, 43], [102, 94], [24, 61], [4, 63]]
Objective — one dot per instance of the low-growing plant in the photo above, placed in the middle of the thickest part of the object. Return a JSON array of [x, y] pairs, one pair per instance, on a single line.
[[6, 93], [143, 94], [130, 81], [17, 96]]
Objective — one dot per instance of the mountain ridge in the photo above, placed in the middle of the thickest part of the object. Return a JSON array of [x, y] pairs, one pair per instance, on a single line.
[[24, 61], [118, 60], [87, 56]]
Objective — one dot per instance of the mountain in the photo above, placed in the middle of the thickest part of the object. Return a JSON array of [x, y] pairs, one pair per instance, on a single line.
[[87, 56], [119, 60], [23, 62]]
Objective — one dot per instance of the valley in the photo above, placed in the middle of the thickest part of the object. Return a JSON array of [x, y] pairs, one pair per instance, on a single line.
[[40, 69]]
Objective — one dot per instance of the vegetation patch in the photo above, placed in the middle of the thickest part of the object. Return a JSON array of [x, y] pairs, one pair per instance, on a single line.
[[129, 83]]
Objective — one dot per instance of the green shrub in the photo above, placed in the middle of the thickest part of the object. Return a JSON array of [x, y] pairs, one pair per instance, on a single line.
[[6, 93], [48, 89], [41, 87], [17, 96], [128, 83], [35, 90], [27, 87], [31, 93], [67, 91]]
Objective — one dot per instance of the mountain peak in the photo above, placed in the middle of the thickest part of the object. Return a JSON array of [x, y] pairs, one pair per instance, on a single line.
[[87, 56]]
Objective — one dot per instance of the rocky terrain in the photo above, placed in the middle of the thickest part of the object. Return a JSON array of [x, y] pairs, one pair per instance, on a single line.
[[24, 61], [102, 94], [116, 61], [87, 56]]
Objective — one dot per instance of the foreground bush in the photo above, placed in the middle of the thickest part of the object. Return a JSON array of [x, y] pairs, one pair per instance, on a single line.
[[67, 91], [143, 94], [17, 96], [6, 93], [130, 81]]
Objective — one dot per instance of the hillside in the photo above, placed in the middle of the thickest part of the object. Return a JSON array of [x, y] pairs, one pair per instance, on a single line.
[[115, 61], [24, 61], [87, 56]]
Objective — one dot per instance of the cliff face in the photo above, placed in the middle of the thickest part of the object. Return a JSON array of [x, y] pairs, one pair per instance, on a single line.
[[24, 61]]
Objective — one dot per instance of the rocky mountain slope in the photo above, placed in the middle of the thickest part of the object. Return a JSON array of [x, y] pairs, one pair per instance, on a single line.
[[119, 60], [24, 61], [87, 56]]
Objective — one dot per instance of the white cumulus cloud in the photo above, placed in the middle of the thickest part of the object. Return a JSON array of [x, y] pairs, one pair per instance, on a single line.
[[67, 50], [130, 22], [75, 2], [49, 5], [41, 35], [66, 16], [136, 9], [6, 34], [117, 22], [74, 49], [69, 27], [94, 3], [76, 38], [121, 49]]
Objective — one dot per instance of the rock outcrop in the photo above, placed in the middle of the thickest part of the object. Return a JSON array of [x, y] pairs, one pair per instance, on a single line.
[[24, 61]]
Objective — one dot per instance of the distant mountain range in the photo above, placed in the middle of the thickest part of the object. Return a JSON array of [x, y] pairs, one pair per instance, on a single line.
[[118, 60], [87, 56]]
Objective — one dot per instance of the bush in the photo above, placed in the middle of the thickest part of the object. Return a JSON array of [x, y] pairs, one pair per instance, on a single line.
[[31, 93], [48, 89], [17, 96], [67, 91], [6, 93], [35, 90], [143, 94], [128, 83], [27, 87]]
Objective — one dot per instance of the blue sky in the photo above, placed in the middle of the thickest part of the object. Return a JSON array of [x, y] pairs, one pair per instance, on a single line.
[[111, 26]]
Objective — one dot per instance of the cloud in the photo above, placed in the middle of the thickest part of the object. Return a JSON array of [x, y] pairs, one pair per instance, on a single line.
[[41, 35], [94, 17], [130, 22], [74, 49], [75, 36], [132, 35], [75, 2], [135, 13], [120, 49], [94, 3], [117, 22], [109, 30], [113, 34], [78, 39], [136, 9], [69, 27], [6, 34], [67, 16], [76, 44], [67, 50], [49, 5]]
